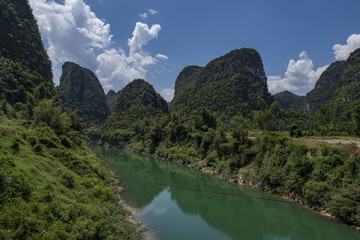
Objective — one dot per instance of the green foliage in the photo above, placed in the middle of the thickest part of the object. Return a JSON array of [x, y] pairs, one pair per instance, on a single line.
[[325, 87], [288, 99], [81, 90], [263, 117], [295, 131], [24, 63], [140, 93], [227, 85], [328, 179], [52, 189]]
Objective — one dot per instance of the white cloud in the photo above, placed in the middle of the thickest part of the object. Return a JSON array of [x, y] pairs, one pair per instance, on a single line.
[[152, 11], [342, 52], [142, 34], [72, 32], [299, 78], [116, 69], [161, 57], [143, 15], [167, 94]]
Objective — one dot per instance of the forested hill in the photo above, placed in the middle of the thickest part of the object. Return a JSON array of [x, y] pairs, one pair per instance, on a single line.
[[24, 63], [348, 87], [324, 87], [228, 85], [140, 93], [137, 111], [81, 90], [288, 99]]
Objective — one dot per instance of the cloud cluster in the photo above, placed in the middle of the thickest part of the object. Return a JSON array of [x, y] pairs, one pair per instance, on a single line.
[[167, 94], [145, 14], [342, 52], [116, 69], [299, 78], [73, 32]]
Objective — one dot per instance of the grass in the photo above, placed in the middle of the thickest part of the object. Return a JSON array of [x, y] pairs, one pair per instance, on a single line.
[[49, 191]]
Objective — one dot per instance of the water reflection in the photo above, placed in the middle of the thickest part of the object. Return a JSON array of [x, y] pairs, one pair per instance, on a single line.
[[183, 213]]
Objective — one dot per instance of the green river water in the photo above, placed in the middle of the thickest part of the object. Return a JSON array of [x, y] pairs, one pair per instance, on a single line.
[[174, 202]]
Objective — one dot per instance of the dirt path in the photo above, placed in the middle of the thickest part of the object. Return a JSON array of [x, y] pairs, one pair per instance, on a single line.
[[334, 142]]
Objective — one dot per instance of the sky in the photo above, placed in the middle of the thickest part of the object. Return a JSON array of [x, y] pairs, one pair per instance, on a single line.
[[122, 40]]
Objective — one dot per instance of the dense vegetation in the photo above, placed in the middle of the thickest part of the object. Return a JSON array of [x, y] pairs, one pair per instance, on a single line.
[[81, 90], [51, 185], [288, 99], [24, 63], [324, 87], [227, 85], [140, 93]]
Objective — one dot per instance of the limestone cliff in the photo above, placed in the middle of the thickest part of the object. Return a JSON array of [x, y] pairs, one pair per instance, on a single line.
[[227, 85], [81, 90]]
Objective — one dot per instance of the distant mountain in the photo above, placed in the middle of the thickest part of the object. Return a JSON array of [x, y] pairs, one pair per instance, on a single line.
[[140, 93], [324, 87], [227, 85], [288, 99], [81, 90], [24, 63], [348, 86], [111, 97], [138, 109]]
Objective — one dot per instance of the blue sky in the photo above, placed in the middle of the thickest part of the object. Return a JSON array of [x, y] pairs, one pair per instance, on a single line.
[[155, 39]]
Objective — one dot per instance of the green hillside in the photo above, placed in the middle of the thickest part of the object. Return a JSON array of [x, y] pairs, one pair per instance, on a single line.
[[288, 99], [228, 85], [81, 90], [24, 63]]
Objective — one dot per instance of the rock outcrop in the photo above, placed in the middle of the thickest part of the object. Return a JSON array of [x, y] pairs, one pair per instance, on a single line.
[[111, 97], [227, 85], [348, 86], [81, 90], [324, 87]]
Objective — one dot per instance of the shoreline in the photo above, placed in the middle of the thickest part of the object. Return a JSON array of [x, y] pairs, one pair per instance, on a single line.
[[319, 210]]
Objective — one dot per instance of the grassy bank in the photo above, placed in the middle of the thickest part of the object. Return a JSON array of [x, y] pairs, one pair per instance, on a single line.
[[53, 188]]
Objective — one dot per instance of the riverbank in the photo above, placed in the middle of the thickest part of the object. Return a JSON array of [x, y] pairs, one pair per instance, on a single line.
[[201, 167]]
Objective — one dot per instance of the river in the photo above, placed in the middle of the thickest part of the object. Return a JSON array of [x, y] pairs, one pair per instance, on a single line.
[[174, 202]]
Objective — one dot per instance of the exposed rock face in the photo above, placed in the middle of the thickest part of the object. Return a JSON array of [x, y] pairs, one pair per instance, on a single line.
[[288, 99], [348, 87], [140, 93], [228, 85], [24, 63], [111, 97], [324, 87], [81, 90]]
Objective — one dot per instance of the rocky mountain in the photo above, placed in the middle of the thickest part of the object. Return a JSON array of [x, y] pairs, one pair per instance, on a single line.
[[24, 63], [324, 87], [288, 99], [138, 110], [227, 85], [140, 93], [111, 97], [81, 90], [348, 86]]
